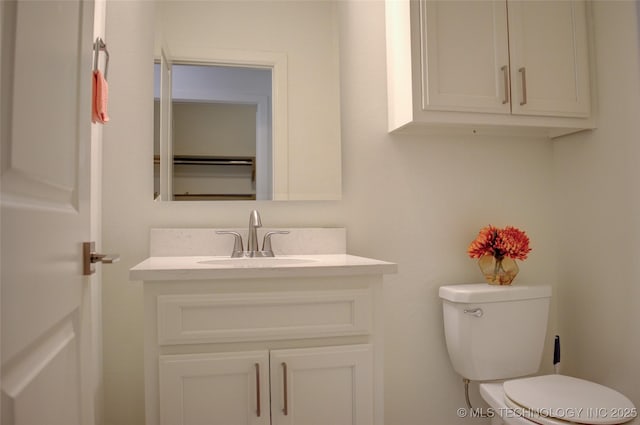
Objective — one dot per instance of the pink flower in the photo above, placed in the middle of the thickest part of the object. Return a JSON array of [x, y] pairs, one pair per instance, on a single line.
[[508, 242]]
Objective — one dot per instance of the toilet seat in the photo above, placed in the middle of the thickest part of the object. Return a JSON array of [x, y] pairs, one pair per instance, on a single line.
[[560, 399]]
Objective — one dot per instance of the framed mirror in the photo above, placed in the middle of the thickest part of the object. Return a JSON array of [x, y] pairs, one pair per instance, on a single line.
[[247, 101]]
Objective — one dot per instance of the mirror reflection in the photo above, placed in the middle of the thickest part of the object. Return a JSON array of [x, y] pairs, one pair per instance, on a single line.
[[220, 133], [247, 100]]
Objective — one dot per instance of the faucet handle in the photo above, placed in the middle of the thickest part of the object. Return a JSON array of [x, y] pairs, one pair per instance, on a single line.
[[266, 242], [238, 249]]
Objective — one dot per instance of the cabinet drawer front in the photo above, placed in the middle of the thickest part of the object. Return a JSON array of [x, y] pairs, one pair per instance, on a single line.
[[210, 318]]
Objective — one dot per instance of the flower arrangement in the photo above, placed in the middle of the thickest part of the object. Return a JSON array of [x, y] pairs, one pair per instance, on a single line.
[[508, 242], [497, 249]]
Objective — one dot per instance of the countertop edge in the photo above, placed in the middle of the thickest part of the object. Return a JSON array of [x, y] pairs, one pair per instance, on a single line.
[[143, 272]]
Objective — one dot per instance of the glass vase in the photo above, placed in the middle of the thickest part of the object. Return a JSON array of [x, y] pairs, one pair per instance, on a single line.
[[498, 271]]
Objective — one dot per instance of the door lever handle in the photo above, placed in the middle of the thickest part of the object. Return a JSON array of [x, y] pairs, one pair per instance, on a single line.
[[90, 257], [105, 258]]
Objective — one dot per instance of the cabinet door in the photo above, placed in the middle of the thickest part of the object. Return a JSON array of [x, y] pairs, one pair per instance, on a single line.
[[549, 58], [320, 386], [465, 56], [214, 389]]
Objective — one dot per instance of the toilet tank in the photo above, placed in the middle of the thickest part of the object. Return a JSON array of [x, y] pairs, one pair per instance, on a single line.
[[495, 332]]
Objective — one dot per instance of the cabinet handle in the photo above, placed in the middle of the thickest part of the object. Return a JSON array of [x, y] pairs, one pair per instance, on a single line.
[[285, 410], [523, 71], [258, 389], [505, 75]]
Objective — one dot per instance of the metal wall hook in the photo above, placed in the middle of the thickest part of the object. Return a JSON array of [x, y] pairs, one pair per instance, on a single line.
[[100, 46]]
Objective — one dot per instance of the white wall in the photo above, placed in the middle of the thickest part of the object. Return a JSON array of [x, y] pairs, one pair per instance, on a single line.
[[598, 216], [214, 129], [418, 201]]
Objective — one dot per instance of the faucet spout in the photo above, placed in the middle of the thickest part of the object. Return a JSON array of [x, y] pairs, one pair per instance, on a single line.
[[254, 224]]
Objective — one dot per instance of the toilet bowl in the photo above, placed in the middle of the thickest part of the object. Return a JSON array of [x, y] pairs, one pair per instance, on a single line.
[[497, 334]]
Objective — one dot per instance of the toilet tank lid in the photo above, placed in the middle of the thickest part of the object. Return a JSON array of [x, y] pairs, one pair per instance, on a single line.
[[483, 293]]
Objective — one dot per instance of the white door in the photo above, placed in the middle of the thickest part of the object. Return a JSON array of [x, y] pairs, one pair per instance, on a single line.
[[320, 386], [166, 130], [549, 58], [465, 56], [214, 389], [46, 135]]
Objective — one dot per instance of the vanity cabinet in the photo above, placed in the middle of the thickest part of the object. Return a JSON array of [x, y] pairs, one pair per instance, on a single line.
[[286, 350], [294, 339], [304, 385], [505, 67]]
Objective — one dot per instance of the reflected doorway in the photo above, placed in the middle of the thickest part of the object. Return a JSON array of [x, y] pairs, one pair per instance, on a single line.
[[219, 133]]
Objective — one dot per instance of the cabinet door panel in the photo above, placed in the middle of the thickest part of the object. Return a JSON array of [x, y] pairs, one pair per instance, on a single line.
[[465, 56], [328, 385], [548, 41], [214, 389]]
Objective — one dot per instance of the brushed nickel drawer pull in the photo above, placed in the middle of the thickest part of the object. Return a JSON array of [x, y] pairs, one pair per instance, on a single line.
[[285, 410], [523, 71], [258, 389], [505, 75]]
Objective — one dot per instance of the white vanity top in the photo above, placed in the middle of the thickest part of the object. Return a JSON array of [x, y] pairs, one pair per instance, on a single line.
[[217, 267], [200, 254]]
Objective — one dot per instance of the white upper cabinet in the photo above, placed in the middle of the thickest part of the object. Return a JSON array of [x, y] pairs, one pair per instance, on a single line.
[[498, 67], [465, 56], [549, 58]]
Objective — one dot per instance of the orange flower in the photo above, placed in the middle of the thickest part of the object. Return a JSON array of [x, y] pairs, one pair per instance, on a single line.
[[513, 243], [508, 242], [484, 243]]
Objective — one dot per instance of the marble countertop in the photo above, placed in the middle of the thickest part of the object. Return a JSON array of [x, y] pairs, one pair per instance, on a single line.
[[159, 268]]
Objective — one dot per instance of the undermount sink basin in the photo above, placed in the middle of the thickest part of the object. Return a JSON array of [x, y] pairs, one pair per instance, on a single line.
[[257, 261]]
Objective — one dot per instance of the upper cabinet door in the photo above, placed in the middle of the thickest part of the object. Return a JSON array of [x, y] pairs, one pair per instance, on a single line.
[[549, 58], [465, 56]]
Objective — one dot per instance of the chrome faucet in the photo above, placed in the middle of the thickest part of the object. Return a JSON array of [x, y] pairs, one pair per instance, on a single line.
[[252, 239], [253, 249]]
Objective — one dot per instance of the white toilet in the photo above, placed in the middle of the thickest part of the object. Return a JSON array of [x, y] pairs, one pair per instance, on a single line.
[[497, 333]]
